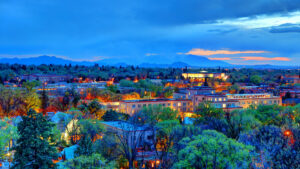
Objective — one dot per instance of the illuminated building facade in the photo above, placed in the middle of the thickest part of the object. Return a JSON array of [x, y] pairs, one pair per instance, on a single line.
[[202, 75], [133, 106], [245, 100], [217, 101]]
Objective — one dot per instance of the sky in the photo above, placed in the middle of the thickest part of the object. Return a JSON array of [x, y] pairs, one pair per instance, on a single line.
[[245, 32]]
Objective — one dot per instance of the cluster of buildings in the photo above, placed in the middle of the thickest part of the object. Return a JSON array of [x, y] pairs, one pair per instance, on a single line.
[[187, 100]]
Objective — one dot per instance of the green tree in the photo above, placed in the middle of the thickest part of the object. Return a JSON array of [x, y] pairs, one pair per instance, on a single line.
[[91, 128], [213, 150], [112, 115], [34, 149], [205, 111], [8, 133], [157, 113], [240, 121], [255, 79], [95, 161], [165, 138], [85, 146], [126, 83], [44, 101]]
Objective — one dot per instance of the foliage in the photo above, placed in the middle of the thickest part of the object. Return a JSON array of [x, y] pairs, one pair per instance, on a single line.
[[112, 115], [85, 146], [206, 110], [275, 149], [240, 121], [95, 161], [8, 133], [213, 150], [91, 128], [256, 79], [34, 149], [157, 113]]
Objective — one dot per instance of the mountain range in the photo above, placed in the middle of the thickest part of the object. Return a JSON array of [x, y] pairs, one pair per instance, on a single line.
[[186, 61], [153, 61]]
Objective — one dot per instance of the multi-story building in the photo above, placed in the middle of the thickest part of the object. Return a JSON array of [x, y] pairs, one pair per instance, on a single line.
[[217, 101], [245, 100], [47, 78], [188, 93], [203, 74], [133, 106]]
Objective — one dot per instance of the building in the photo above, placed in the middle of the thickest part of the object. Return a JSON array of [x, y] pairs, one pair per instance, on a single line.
[[217, 101], [188, 93], [133, 106], [202, 75], [47, 78], [245, 100]]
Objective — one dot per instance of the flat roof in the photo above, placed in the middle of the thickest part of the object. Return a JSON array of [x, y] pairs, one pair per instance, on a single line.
[[122, 125], [152, 100]]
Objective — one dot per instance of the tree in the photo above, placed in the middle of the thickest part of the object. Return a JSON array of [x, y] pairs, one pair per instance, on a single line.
[[126, 83], [213, 150], [240, 121], [275, 148], [10, 101], [8, 133], [44, 101], [34, 148], [95, 161], [112, 115], [91, 128], [128, 136], [85, 146], [255, 79], [164, 140], [31, 100], [206, 111], [158, 113]]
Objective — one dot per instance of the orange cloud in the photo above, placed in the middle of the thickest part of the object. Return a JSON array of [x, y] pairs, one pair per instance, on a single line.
[[219, 58], [257, 58], [203, 52]]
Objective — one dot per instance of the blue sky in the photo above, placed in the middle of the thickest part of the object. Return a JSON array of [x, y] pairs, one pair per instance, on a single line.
[[235, 31]]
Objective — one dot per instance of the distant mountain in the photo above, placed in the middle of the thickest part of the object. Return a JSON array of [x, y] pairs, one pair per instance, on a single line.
[[200, 61], [179, 61], [42, 60]]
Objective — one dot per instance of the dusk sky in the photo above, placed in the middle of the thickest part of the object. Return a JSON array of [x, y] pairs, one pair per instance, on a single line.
[[235, 31]]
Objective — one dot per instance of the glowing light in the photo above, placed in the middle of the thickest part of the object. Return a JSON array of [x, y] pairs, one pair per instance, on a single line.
[[287, 133]]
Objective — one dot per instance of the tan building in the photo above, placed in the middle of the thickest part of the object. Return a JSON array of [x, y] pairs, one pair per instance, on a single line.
[[245, 100], [133, 106], [217, 101], [203, 74], [188, 93]]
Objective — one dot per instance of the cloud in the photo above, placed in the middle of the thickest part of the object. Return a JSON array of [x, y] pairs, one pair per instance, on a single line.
[[258, 58], [263, 21], [151, 54], [203, 52], [286, 28], [225, 58]]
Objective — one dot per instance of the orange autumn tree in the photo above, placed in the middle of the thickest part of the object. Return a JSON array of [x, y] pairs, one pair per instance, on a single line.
[[131, 96]]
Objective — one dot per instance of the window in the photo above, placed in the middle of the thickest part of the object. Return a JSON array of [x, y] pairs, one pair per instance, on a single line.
[[133, 106], [139, 106]]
